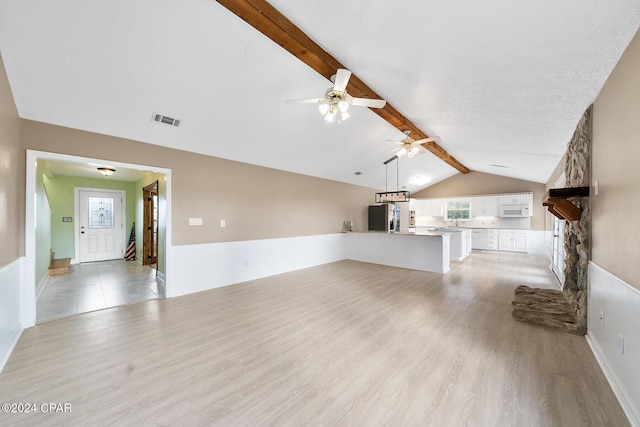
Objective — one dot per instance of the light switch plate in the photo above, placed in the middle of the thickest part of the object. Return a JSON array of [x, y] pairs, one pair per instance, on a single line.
[[223, 223]]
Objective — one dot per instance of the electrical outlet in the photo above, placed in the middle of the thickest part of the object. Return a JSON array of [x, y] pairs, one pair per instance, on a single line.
[[596, 187], [223, 223]]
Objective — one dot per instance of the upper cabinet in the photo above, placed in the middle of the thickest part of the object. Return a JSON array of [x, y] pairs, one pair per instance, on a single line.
[[484, 206], [515, 199], [428, 207]]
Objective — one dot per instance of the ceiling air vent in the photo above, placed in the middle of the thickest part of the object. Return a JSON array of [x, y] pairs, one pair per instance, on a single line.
[[165, 119]]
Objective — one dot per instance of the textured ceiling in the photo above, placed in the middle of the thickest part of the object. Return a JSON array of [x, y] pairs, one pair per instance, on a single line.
[[500, 82]]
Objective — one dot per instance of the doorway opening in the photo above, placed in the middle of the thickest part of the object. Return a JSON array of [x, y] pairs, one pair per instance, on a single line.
[[40, 167]]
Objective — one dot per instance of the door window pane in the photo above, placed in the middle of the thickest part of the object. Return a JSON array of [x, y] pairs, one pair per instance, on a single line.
[[101, 212]]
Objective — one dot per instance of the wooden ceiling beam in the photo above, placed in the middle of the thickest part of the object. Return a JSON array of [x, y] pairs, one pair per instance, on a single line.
[[266, 19]]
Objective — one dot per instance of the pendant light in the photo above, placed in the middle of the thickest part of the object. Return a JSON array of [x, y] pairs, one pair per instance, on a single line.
[[392, 196]]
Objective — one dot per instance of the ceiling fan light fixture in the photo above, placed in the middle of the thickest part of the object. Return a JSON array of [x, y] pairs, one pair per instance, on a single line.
[[331, 115], [344, 115], [343, 106], [323, 107]]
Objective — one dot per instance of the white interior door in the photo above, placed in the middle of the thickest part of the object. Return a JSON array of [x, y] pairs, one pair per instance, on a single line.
[[100, 225]]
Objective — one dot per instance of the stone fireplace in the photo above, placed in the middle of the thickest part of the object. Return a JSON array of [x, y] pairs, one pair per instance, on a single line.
[[567, 309]]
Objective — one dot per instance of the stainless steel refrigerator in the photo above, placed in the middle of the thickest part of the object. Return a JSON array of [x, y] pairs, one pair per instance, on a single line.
[[384, 217]]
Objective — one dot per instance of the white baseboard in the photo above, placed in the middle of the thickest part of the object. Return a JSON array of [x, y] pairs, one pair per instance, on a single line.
[[161, 276], [628, 407], [8, 347]]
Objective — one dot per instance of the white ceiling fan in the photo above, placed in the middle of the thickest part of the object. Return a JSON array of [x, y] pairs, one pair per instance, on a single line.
[[410, 146], [335, 104]]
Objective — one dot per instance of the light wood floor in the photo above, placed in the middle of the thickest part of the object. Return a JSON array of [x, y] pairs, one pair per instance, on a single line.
[[341, 344]]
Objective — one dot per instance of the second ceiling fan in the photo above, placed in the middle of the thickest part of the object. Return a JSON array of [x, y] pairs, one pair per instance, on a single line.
[[335, 104], [410, 146]]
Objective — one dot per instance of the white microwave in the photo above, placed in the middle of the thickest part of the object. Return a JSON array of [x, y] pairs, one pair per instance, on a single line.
[[514, 211]]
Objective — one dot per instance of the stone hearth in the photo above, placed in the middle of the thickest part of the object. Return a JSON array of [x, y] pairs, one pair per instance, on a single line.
[[546, 307]]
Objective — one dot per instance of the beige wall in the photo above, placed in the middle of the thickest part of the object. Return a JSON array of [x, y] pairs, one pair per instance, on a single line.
[[475, 183], [615, 228], [12, 172], [256, 202]]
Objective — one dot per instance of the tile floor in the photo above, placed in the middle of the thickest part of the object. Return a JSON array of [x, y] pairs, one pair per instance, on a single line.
[[97, 285]]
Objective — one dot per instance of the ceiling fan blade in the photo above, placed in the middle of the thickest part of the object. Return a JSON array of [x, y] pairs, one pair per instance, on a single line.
[[371, 103], [342, 78], [304, 101], [431, 139]]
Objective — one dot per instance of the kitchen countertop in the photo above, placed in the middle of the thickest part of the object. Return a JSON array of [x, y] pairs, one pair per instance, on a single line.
[[406, 233]]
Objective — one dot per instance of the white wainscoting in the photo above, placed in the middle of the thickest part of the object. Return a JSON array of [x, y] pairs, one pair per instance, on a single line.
[[418, 252], [11, 307], [197, 268], [536, 242], [614, 336]]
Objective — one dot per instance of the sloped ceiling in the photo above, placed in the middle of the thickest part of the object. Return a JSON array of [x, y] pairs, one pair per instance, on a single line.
[[500, 82]]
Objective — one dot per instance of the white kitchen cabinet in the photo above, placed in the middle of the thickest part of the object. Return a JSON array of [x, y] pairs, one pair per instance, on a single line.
[[484, 206], [515, 199], [492, 240], [428, 207], [468, 240], [433, 207], [460, 244], [512, 241], [521, 242]]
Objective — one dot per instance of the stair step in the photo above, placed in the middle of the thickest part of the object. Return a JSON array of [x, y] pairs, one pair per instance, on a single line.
[[60, 266]]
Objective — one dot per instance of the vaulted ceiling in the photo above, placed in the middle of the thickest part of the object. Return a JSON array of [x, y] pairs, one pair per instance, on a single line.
[[501, 83]]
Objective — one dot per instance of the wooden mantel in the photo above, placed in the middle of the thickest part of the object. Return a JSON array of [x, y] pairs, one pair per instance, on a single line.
[[556, 201]]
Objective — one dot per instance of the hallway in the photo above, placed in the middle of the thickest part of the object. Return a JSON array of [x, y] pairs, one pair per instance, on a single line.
[[95, 286]]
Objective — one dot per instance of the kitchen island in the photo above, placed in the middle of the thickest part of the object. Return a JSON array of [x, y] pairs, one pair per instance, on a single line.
[[428, 251]]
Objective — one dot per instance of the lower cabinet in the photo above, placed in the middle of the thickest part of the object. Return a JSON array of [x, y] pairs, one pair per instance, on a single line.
[[492, 240], [460, 244], [513, 241], [500, 240]]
